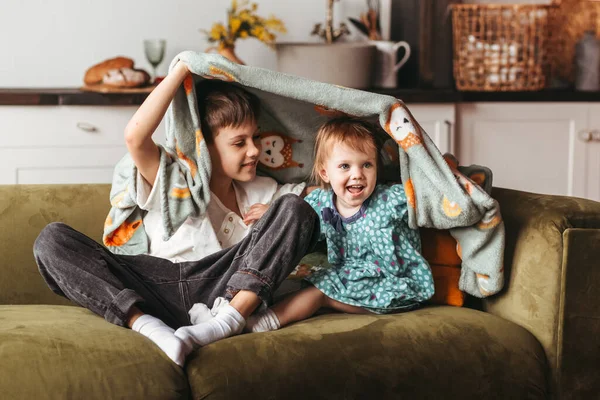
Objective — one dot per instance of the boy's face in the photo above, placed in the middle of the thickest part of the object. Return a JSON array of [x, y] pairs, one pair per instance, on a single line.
[[234, 152], [352, 176]]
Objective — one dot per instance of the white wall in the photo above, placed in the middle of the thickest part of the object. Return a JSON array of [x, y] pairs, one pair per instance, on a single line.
[[50, 43]]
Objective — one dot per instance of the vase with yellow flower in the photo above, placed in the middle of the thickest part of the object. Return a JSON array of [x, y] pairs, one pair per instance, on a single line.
[[242, 23]]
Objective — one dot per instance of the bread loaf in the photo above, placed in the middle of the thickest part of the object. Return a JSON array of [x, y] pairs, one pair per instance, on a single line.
[[125, 77], [95, 74]]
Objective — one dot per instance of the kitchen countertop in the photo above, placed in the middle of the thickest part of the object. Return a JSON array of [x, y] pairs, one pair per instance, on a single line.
[[74, 96]]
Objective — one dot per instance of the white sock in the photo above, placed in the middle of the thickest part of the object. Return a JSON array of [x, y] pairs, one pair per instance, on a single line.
[[201, 313], [227, 322], [163, 336], [264, 321]]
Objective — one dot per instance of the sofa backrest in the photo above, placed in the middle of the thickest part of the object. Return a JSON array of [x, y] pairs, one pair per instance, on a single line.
[[24, 211]]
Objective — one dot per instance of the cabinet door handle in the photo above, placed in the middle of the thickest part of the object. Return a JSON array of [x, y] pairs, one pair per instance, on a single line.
[[84, 126], [590, 136], [585, 136], [448, 135]]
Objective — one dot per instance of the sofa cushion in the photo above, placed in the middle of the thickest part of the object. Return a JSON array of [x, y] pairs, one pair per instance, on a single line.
[[439, 247], [64, 352], [445, 280], [433, 353]]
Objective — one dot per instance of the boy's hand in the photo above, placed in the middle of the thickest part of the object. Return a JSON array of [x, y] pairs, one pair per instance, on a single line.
[[183, 66], [255, 212], [307, 190]]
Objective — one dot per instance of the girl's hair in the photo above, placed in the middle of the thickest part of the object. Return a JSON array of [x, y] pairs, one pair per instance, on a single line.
[[223, 105], [355, 133]]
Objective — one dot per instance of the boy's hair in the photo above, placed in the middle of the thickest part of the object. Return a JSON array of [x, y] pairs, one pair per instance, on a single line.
[[355, 133], [223, 105]]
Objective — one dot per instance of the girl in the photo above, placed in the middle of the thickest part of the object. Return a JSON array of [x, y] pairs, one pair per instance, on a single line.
[[376, 262]]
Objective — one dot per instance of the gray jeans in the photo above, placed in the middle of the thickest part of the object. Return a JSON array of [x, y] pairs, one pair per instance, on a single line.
[[108, 284]]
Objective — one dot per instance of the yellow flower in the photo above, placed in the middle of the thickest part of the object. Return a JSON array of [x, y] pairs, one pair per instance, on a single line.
[[243, 23], [275, 24], [234, 24], [244, 16], [217, 31]]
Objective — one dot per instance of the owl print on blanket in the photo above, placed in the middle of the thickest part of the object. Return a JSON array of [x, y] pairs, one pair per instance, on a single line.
[[276, 151]]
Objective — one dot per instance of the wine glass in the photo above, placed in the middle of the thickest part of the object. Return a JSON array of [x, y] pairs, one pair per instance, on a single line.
[[155, 52]]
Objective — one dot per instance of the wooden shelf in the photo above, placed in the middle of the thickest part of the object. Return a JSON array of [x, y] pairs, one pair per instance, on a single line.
[[75, 96]]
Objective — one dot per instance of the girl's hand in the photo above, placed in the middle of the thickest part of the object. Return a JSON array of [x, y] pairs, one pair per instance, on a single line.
[[255, 212]]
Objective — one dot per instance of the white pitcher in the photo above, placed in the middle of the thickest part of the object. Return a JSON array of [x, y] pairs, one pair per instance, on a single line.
[[386, 64]]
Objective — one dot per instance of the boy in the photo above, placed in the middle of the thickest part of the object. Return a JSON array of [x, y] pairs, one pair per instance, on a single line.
[[242, 248]]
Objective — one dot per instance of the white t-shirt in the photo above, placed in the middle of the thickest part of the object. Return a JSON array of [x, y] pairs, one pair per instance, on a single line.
[[217, 229]]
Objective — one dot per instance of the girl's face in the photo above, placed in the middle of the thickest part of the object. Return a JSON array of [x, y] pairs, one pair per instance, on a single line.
[[352, 176], [234, 153]]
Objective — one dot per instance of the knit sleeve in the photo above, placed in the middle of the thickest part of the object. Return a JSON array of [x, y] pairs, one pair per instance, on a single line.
[[396, 202], [314, 199]]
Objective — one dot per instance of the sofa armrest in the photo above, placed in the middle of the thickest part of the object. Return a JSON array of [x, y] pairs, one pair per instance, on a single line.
[[552, 272]]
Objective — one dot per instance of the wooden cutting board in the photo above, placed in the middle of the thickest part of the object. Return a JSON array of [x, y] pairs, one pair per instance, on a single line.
[[101, 88]]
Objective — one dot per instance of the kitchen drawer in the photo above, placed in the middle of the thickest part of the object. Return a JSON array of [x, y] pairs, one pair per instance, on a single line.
[[73, 126], [53, 165]]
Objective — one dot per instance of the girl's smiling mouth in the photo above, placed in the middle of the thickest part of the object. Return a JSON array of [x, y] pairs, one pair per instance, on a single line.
[[355, 190]]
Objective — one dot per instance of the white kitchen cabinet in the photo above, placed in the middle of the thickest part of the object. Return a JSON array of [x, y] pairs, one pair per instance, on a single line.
[[546, 147], [63, 144], [81, 144], [536, 147], [591, 182], [438, 120]]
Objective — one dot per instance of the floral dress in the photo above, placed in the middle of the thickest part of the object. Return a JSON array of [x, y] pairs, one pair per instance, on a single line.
[[375, 256]]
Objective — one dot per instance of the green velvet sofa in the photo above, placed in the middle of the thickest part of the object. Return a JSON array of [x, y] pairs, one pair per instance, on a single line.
[[538, 339]]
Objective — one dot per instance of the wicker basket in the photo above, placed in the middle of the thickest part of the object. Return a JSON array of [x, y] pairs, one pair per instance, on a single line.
[[500, 47]]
